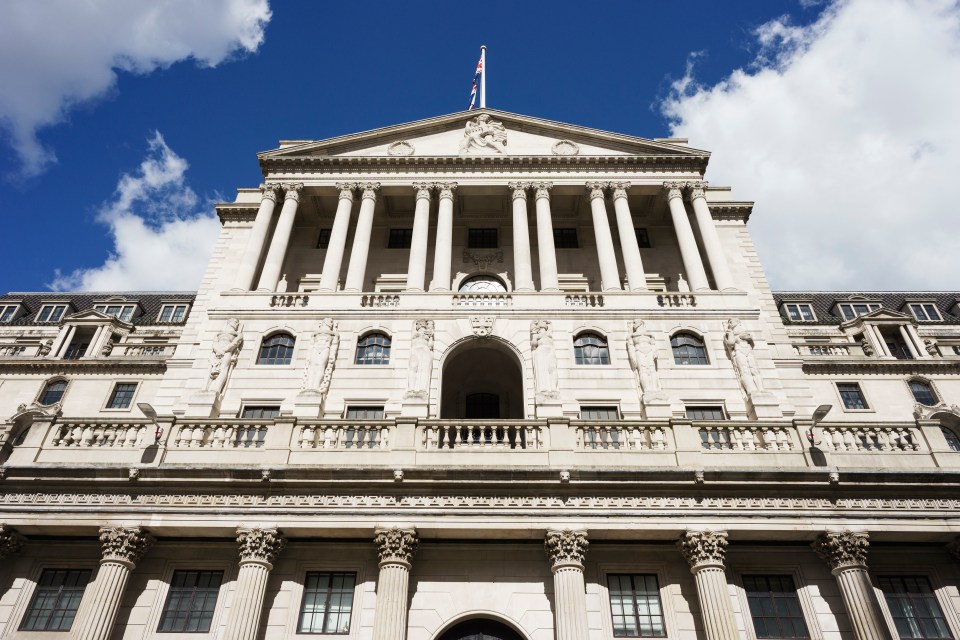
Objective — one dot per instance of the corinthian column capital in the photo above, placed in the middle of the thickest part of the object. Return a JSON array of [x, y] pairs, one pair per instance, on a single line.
[[423, 190], [260, 545], [595, 189], [843, 549], [369, 190], [703, 548], [395, 545], [674, 189], [518, 190], [619, 189], [346, 190], [269, 190], [565, 547], [125, 545], [542, 189], [10, 541], [446, 189], [293, 190], [696, 188]]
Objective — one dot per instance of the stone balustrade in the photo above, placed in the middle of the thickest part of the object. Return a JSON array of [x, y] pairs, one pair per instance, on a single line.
[[583, 300], [828, 350], [346, 435], [621, 437], [229, 435], [722, 437], [874, 438], [380, 300], [483, 436], [121, 435], [482, 300], [147, 350]]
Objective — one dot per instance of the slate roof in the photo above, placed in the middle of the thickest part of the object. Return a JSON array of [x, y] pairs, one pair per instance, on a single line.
[[147, 314], [824, 301]]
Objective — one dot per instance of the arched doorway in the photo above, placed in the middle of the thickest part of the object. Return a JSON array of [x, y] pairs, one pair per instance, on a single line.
[[480, 629], [482, 379]]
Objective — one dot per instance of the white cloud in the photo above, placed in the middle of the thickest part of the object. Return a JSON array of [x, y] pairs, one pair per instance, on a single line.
[[55, 54], [161, 240], [846, 134]]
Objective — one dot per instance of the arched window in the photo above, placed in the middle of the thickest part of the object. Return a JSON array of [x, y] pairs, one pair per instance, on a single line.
[[53, 392], [923, 392], [277, 349], [482, 284], [953, 441], [688, 349], [373, 348], [591, 348]]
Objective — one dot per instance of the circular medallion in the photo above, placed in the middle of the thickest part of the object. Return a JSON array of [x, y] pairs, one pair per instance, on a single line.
[[402, 148], [566, 148]]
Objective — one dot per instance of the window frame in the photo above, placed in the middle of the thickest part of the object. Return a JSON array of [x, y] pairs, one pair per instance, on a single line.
[[18, 617], [911, 307], [562, 236], [700, 406], [787, 567], [113, 390], [365, 405], [52, 306], [156, 609], [951, 437], [326, 609], [43, 389], [363, 336], [13, 308], [598, 406], [748, 612], [403, 237], [785, 307], [270, 336], [483, 240], [261, 405], [174, 306], [299, 587], [868, 405], [639, 568], [323, 238], [936, 587], [169, 592], [642, 234], [703, 340], [933, 390], [871, 305], [580, 360], [123, 306]]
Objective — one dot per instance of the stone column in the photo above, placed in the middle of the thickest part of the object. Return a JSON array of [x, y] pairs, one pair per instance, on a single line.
[[711, 241], [122, 548], [846, 554], [692, 264], [609, 274], [357, 267], [636, 278], [270, 275], [704, 551], [395, 547], [258, 236], [910, 344], [417, 266], [567, 550], [338, 238], [258, 550], [547, 253], [444, 247], [522, 268], [64, 338]]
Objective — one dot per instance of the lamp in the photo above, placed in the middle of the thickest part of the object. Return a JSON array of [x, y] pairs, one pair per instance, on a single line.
[[151, 414], [818, 415]]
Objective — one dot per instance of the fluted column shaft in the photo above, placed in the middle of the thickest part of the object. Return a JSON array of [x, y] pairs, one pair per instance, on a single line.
[[357, 267], [122, 548], [258, 550], [395, 547], [609, 274], [333, 259], [417, 265], [258, 237], [632, 263], [522, 267], [704, 551], [443, 251], [711, 240], [547, 252], [270, 275], [692, 263], [567, 550]]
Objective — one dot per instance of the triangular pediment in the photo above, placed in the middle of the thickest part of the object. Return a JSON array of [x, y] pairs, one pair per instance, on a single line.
[[485, 132], [92, 316], [879, 315]]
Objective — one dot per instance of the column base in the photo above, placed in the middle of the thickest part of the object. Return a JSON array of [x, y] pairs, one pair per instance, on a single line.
[[763, 404], [203, 404]]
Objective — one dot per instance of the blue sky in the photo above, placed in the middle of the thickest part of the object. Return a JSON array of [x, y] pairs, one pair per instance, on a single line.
[[201, 86]]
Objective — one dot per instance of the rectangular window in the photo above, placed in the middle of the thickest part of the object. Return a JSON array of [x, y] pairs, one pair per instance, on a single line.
[[121, 311], [705, 413], [8, 312], [323, 239], [565, 239], [851, 395], [643, 238], [400, 239], [851, 310], [51, 312], [173, 313], [122, 395], [191, 602], [364, 413], [327, 603], [76, 350], [775, 607], [635, 606], [925, 311], [799, 311], [260, 412], [482, 239], [599, 413], [55, 601], [914, 607]]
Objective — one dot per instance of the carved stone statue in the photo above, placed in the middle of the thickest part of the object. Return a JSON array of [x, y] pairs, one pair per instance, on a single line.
[[226, 350], [322, 358], [642, 351], [544, 360], [421, 360], [867, 348], [44, 349], [931, 347], [484, 134], [739, 345]]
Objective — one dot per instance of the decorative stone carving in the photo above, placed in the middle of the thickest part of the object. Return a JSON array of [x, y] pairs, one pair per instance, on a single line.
[[445, 190], [226, 351], [401, 148], [36, 409], [420, 360], [395, 544], [544, 360], [368, 190], [596, 189], [260, 545], [482, 134], [482, 325], [124, 544], [293, 190], [346, 190], [739, 344], [924, 412], [542, 189], [674, 189], [10, 541], [322, 358], [696, 189], [423, 190], [619, 189], [565, 148], [482, 260], [703, 547], [567, 546], [842, 549], [44, 349], [930, 346], [107, 348], [269, 191], [642, 352], [867, 348]]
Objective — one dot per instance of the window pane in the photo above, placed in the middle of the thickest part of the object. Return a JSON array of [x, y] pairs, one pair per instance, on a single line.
[[122, 395], [323, 239], [923, 393], [688, 349], [775, 607], [635, 606], [705, 413], [191, 601], [482, 239], [590, 348], [6, 313], [565, 239], [364, 413], [373, 348], [643, 238], [277, 349], [851, 395], [260, 412], [53, 392], [599, 413], [55, 600], [914, 607], [327, 603], [400, 238]]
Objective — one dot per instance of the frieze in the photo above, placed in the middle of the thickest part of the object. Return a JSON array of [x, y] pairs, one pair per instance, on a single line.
[[121, 364]]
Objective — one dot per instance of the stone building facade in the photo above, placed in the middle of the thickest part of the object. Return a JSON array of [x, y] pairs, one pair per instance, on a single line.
[[482, 375]]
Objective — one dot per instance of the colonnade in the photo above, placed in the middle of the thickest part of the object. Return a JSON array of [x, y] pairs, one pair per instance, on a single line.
[[424, 192]]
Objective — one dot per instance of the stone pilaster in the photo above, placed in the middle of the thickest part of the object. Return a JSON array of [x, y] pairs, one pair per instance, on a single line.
[[10, 541], [567, 549], [704, 551], [845, 552], [122, 548], [258, 550], [396, 547]]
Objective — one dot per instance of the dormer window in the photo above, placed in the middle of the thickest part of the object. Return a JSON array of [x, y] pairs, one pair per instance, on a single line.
[[173, 313], [122, 312], [8, 312], [799, 311], [851, 310], [925, 311], [51, 312]]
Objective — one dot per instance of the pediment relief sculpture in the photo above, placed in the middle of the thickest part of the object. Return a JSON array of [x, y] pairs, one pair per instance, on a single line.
[[401, 148], [483, 135], [565, 148]]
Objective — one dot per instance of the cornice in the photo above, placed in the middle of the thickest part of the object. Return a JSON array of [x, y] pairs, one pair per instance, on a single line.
[[867, 366], [125, 365], [731, 210], [236, 212]]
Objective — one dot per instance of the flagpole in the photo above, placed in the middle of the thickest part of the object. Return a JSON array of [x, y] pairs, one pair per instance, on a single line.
[[483, 77]]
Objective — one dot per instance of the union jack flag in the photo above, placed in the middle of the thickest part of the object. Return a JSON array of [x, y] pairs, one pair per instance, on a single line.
[[476, 77]]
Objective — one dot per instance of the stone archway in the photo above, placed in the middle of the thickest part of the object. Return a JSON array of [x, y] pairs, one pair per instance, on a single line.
[[482, 379], [480, 629]]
